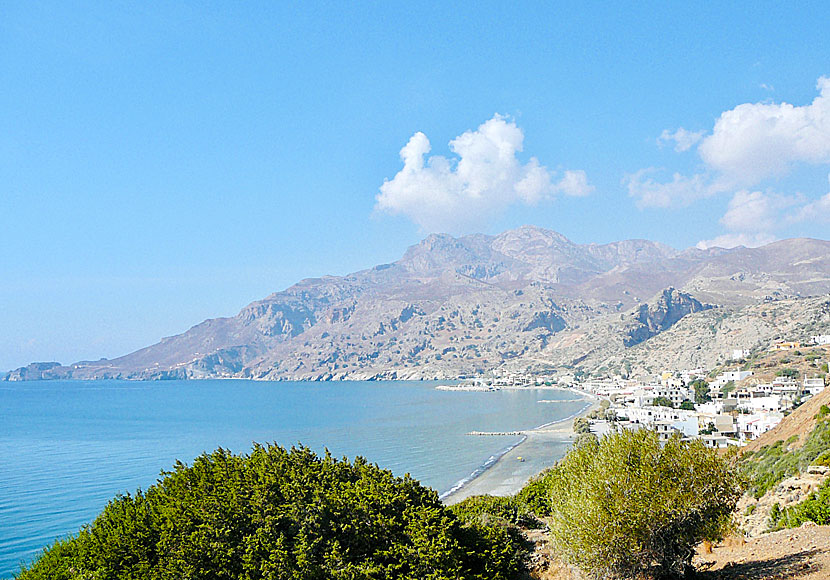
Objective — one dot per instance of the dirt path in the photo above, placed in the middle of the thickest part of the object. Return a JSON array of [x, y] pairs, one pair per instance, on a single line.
[[799, 553]]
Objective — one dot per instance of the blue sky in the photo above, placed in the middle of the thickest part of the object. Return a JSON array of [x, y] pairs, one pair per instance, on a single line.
[[162, 163]]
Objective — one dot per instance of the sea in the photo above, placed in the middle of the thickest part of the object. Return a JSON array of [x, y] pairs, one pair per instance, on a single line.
[[68, 447]]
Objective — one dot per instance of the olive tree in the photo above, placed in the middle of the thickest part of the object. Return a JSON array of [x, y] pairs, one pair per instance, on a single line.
[[627, 506]]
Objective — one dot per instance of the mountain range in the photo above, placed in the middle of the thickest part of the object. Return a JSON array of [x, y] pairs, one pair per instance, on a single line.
[[527, 299]]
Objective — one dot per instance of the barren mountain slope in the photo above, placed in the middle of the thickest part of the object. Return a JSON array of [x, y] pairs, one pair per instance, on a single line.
[[456, 306]]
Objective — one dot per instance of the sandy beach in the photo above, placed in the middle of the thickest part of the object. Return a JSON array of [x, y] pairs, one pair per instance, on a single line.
[[541, 449]]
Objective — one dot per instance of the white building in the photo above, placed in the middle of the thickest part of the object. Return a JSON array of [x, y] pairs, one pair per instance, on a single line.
[[645, 395], [786, 386], [713, 407], [733, 376], [752, 426], [739, 353], [762, 390], [821, 339], [771, 403], [725, 425], [813, 386], [717, 441], [688, 375], [663, 419]]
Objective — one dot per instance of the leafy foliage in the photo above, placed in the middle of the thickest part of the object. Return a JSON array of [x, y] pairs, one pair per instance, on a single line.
[[816, 508], [489, 507], [535, 496], [280, 514], [774, 463], [627, 506], [663, 402], [701, 388], [582, 425]]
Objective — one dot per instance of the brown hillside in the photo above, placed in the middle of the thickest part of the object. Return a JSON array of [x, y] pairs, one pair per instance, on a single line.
[[800, 422]]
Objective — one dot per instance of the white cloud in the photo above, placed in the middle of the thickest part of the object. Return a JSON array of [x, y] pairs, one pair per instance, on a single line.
[[748, 144], [683, 139], [815, 211], [753, 217], [818, 210], [737, 239], [441, 194], [574, 183], [680, 191], [757, 211], [755, 141]]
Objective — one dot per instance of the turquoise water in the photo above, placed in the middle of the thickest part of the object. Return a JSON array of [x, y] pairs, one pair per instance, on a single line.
[[67, 447]]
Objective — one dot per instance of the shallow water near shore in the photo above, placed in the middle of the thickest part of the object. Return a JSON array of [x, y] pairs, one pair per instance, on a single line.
[[67, 447]]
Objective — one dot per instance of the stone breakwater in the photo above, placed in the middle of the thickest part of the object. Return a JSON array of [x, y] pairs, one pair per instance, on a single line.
[[497, 433]]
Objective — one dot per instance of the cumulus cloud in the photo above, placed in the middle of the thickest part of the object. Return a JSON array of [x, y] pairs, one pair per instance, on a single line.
[[574, 183], [649, 191], [755, 141], [683, 139], [753, 217], [814, 211], [817, 211], [757, 211], [455, 195], [748, 144]]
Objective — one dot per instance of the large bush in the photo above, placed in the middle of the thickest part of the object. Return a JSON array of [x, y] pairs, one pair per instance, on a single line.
[[626, 505], [280, 514]]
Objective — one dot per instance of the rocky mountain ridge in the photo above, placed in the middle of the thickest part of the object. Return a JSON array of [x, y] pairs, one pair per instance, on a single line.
[[527, 298]]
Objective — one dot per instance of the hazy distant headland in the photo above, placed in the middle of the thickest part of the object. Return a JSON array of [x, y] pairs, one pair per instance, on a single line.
[[526, 299]]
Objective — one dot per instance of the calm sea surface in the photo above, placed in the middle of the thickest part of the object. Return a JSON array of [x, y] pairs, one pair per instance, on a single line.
[[67, 447]]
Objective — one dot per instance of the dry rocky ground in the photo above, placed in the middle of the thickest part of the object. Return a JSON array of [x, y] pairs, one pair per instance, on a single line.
[[802, 553], [798, 553], [755, 513]]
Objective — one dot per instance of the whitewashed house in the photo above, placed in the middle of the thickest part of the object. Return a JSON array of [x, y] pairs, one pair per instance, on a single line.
[[813, 386], [752, 426], [733, 376]]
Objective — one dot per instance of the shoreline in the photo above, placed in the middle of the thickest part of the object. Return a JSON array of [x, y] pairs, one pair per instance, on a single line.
[[505, 474]]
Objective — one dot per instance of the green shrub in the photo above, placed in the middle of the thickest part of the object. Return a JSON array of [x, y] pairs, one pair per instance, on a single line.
[[774, 463], [280, 514], [823, 459], [816, 508], [535, 496], [493, 509], [627, 506], [663, 402], [581, 425], [701, 389]]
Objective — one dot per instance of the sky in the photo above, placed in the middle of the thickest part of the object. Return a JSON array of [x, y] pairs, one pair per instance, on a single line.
[[164, 163]]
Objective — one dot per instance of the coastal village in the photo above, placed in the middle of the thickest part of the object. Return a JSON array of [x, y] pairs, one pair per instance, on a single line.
[[728, 406]]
